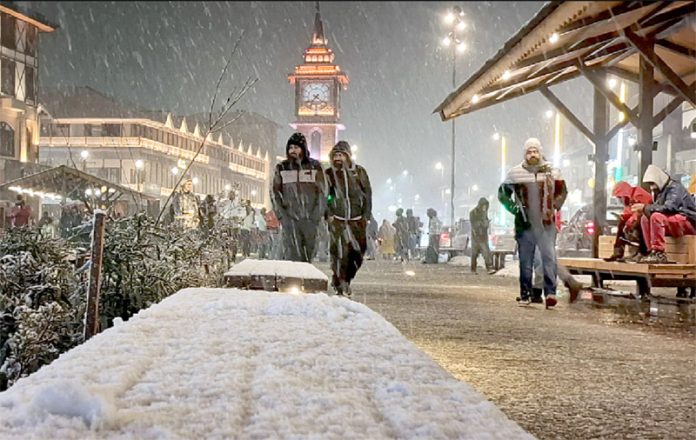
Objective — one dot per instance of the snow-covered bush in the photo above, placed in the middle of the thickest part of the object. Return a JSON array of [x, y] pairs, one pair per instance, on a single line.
[[39, 302], [43, 292]]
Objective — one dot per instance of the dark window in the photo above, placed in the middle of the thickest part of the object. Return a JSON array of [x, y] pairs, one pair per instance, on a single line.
[[88, 130], [7, 147], [7, 74], [111, 130], [61, 130], [31, 40], [29, 81], [7, 35]]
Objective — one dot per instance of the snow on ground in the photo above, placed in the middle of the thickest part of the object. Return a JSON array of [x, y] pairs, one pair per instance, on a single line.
[[460, 260], [225, 363]]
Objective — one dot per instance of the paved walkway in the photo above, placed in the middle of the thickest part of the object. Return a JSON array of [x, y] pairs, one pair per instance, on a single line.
[[569, 373]]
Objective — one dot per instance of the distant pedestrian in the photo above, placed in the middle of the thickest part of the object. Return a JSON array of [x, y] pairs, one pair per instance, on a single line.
[[185, 205], [21, 214], [401, 243], [480, 225], [207, 212], [432, 253], [299, 199], [349, 209], [386, 235], [533, 191], [372, 231]]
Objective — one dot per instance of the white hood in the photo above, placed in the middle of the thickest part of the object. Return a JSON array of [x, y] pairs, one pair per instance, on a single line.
[[656, 175]]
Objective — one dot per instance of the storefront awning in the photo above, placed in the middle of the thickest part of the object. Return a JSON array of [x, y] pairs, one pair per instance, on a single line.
[[64, 182]]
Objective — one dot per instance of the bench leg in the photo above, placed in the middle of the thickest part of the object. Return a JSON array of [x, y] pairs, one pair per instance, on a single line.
[[642, 287], [597, 280]]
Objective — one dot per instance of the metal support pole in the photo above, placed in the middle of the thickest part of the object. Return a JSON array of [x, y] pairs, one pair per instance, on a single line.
[[92, 312], [645, 130], [601, 155], [454, 84]]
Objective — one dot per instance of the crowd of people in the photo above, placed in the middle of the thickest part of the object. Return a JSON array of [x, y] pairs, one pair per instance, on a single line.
[[326, 214]]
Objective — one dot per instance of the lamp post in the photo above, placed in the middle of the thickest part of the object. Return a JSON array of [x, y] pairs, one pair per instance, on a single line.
[[455, 19], [84, 154], [139, 164], [503, 158]]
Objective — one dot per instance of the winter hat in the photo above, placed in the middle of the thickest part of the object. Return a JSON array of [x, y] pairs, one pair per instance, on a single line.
[[342, 147], [299, 140], [656, 175], [483, 201], [533, 143]]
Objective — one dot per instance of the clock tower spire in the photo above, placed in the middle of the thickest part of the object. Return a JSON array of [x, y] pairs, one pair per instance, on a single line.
[[318, 83]]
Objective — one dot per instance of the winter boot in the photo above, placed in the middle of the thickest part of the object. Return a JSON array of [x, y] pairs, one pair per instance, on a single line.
[[345, 286], [656, 257], [523, 299], [550, 301], [537, 296], [617, 255]]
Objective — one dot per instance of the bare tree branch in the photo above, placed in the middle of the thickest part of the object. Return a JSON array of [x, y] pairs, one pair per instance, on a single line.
[[232, 99]]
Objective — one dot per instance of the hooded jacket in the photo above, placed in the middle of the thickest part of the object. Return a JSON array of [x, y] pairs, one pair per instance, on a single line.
[[349, 190], [299, 189], [632, 194], [533, 191], [479, 219], [672, 198]]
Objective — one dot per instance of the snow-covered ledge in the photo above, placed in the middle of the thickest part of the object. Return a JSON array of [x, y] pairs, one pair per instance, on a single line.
[[225, 363]]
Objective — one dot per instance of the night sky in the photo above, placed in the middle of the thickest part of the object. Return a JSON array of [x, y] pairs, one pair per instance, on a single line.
[[168, 55]]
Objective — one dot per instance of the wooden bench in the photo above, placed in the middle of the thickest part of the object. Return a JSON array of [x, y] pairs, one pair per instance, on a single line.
[[276, 276], [682, 274], [506, 245]]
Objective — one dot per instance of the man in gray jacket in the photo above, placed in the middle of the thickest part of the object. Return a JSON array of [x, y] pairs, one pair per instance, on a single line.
[[299, 199]]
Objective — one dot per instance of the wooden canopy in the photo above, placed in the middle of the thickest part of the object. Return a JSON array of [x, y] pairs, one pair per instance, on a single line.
[[71, 183], [568, 39]]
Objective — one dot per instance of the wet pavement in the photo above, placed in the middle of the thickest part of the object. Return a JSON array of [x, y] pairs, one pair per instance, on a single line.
[[574, 372]]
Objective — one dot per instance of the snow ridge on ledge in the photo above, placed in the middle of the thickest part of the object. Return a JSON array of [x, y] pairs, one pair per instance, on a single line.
[[226, 363]]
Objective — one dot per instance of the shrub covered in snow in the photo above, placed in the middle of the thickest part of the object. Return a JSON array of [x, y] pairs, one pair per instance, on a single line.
[[43, 292], [39, 302]]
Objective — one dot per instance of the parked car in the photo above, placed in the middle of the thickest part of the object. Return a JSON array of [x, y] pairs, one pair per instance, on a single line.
[[455, 242], [577, 233]]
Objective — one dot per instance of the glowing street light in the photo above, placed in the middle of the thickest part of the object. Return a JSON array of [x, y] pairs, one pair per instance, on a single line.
[[455, 20], [438, 166], [496, 136], [175, 170], [405, 173], [548, 114], [84, 154], [139, 164], [195, 180], [353, 148]]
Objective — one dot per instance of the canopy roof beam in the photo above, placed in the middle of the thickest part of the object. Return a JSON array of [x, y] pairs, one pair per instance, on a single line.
[[569, 115], [648, 53], [611, 96]]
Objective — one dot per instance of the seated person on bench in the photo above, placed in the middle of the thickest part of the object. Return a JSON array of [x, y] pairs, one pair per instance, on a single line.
[[629, 230], [672, 213]]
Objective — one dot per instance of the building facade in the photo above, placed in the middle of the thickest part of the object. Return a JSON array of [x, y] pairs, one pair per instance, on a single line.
[[19, 81], [318, 84], [150, 156]]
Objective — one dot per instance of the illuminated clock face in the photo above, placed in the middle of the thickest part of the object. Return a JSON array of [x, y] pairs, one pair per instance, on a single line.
[[315, 96]]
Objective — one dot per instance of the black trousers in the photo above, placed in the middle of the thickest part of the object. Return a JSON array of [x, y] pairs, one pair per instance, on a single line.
[[347, 248], [299, 239]]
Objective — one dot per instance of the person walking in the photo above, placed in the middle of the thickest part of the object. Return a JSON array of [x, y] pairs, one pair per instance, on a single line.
[[185, 205], [349, 209], [386, 235], [432, 254], [480, 225], [299, 199], [533, 191], [372, 230], [401, 238]]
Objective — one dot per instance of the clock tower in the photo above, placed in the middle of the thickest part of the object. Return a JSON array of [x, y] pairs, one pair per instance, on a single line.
[[318, 83]]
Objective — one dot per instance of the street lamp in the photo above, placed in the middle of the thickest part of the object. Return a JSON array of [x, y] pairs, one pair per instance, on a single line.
[[455, 20], [139, 165], [84, 154], [503, 157]]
